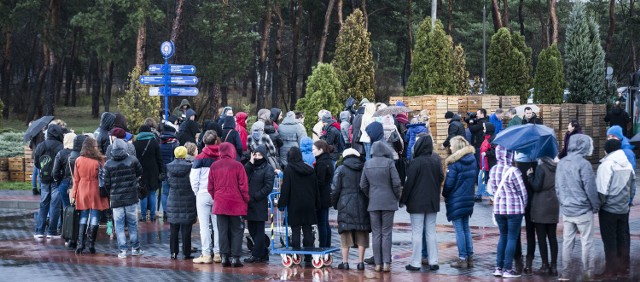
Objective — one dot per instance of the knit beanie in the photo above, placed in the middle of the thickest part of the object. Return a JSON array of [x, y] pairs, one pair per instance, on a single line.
[[118, 132], [180, 152], [350, 152], [326, 118], [448, 114]]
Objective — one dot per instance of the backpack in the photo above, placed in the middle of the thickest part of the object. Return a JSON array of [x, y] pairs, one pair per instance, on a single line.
[[46, 164]]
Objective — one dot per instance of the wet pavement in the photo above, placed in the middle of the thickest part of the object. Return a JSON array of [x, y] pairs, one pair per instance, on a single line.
[[22, 257]]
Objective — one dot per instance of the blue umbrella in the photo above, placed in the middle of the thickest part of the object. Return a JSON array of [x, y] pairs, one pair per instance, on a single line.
[[534, 140]]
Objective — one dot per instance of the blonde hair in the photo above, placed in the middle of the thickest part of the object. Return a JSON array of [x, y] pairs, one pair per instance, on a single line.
[[192, 149], [458, 143]]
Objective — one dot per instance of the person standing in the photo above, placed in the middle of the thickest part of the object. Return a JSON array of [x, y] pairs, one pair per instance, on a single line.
[[485, 165], [168, 143], [415, 127], [119, 133], [496, 120], [477, 130], [354, 224], [458, 191], [86, 194], [120, 177], [300, 196], [367, 119], [572, 128], [199, 178], [230, 135], [181, 203], [188, 128], [614, 181], [618, 116], [345, 124], [514, 118], [241, 128], [545, 211], [306, 148], [317, 128], [50, 204], [62, 170], [258, 137], [578, 196], [510, 198], [616, 132], [331, 135], [150, 157], [381, 184], [260, 176], [421, 195], [103, 136], [456, 128], [291, 131], [324, 173], [230, 192]]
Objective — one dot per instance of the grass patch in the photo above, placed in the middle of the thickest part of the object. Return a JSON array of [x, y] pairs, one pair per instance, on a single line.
[[15, 185]]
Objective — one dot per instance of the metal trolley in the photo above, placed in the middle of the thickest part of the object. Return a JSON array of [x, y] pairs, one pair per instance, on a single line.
[[321, 257]]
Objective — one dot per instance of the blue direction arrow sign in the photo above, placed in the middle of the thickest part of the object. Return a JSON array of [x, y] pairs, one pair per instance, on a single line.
[[175, 91], [177, 69], [153, 80], [184, 80]]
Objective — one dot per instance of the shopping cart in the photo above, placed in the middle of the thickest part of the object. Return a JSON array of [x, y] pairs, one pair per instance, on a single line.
[[321, 257]]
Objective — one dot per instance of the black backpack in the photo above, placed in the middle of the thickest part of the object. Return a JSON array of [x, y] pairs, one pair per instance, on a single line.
[[46, 164]]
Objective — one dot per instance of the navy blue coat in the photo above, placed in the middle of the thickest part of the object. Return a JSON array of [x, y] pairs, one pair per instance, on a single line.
[[459, 183]]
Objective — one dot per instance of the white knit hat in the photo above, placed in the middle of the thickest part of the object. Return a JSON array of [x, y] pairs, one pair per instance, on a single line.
[[350, 152]]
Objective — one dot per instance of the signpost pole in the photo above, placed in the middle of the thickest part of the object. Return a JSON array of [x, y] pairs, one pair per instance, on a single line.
[[165, 91]]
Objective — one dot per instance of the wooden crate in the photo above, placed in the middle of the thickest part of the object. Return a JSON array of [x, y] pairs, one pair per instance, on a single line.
[[490, 103], [16, 164], [507, 102], [474, 103], [463, 105], [4, 176], [28, 166], [27, 152], [16, 176], [27, 176], [4, 164]]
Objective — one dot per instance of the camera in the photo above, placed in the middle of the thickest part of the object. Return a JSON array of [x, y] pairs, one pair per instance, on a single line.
[[471, 116]]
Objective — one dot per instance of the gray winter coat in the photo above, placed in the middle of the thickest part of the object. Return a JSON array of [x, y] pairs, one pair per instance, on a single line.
[[291, 132], [380, 180], [344, 126], [575, 180], [614, 182]]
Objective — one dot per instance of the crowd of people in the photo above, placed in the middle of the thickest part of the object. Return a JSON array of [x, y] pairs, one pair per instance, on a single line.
[[363, 165]]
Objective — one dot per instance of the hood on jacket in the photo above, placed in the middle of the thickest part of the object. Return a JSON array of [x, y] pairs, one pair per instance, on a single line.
[[402, 118], [184, 102], [504, 156], [549, 162], [290, 118], [353, 162], [209, 125], [580, 144], [227, 151], [375, 131], [264, 114], [68, 140], [491, 129], [294, 161], [369, 109], [424, 146], [241, 119], [119, 150], [189, 113], [107, 120], [54, 132], [381, 149], [229, 122], [616, 177], [336, 125], [345, 116], [306, 145], [275, 114], [348, 105], [77, 142], [456, 118], [464, 155], [616, 131], [360, 110]]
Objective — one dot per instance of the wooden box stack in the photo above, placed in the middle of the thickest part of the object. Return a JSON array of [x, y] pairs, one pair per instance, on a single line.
[[4, 169], [473, 103], [551, 117], [28, 164], [463, 105], [490, 103], [16, 168], [442, 104], [507, 102]]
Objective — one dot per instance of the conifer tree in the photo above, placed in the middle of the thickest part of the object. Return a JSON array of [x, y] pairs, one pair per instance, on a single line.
[[353, 60], [323, 90], [584, 58], [460, 73], [549, 79], [508, 69], [136, 103]]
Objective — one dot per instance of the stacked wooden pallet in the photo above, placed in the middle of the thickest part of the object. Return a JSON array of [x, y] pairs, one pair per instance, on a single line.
[[551, 117], [4, 169], [474, 103], [490, 103], [16, 168], [28, 164], [507, 102], [463, 105], [442, 106]]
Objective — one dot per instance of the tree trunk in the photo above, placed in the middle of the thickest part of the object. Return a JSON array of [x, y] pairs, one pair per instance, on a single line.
[[141, 41], [521, 16], [339, 16], [505, 22], [262, 64], [554, 21], [224, 94], [50, 86], [633, 42], [325, 30], [96, 82], [434, 13], [36, 91], [295, 13], [612, 26], [5, 72], [450, 16], [70, 68], [73, 93], [106, 96], [214, 93], [175, 29], [406, 70], [497, 16], [309, 41], [278, 58], [363, 6]]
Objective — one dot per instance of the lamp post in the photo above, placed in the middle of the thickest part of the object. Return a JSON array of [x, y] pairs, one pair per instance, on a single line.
[[484, 46]]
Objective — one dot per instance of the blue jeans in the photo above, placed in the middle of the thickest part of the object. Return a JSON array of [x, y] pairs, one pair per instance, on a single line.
[[425, 250], [150, 202], [49, 205], [63, 188], [367, 150], [324, 230], [128, 214], [509, 226], [463, 237], [34, 177], [84, 216], [165, 195]]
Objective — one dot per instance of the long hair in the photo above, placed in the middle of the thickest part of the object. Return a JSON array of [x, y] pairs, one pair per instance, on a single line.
[[457, 143], [90, 149]]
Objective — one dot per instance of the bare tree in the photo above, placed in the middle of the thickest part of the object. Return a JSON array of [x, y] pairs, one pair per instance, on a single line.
[[554, 21], [175, 29], [141, 42], [339, 14], [262, 64], [633, 42], [497, 16], [521, 16], [325, 30], [612, 26], [295, 14], [505, 22]]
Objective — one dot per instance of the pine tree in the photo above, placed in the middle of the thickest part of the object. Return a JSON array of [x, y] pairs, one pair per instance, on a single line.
[[323, 90], [353, 60], [508, 68], [460, 73], [136, 103], [549, 80], [584, 58], [432, 69]]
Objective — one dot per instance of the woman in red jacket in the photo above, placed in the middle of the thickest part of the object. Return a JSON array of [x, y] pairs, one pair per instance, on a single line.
[[489, 130], [229, 190], [241, 127]]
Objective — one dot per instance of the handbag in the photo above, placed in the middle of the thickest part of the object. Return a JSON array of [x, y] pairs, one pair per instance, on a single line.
[[500, 185], [104, 191]]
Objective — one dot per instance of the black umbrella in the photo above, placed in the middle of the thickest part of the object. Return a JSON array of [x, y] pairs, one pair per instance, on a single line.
[[36, 127]]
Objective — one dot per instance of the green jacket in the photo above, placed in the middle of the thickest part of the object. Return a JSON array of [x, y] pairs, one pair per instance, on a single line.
[[516, 120]]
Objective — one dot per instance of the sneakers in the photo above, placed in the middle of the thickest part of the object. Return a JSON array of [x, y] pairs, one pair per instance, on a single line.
[[203, 259], [122, 254], [217, 258], [460, 263], [497, 272], [137, 252], [563, 278], [38, 236], [510, 274], [411, 268], [369, 260], [343, 265], [54, 236]]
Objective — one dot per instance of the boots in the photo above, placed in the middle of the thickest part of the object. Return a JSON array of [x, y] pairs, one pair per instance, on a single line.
[[82, 235], [528, 267], [553, 269], [544, 269], [93, 234], [470, 261], [519, 264]]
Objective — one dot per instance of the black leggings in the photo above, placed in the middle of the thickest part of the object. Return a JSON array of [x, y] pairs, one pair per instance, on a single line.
[[547, 231]]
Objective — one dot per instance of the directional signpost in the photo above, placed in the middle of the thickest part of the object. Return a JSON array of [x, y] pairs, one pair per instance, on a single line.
[[168, 49]]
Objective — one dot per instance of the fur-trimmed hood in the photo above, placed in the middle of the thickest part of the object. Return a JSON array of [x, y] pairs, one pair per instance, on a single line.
[[458, 155]]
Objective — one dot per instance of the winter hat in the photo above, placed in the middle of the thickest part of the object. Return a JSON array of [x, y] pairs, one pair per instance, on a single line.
[[616, 131], [257, 126], [119, 132], [321, 113], [400, 103], [612, 145], [350, 152], [326, 118], [262, 149], [180, 152], [264, 114], [448, 114], [68, 140], [144, 128]]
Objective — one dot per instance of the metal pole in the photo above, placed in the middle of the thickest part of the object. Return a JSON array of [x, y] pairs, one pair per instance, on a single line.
[[484, 46], [165, 90]]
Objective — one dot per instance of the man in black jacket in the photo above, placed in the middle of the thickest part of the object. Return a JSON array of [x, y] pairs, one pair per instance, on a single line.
[[456, 128], [103, 137], [188, 128], [476, 126], [618, 116], [121, 175], [331, 134], [50, 202]]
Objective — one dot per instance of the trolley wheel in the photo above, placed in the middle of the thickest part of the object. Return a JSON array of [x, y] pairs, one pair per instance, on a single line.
[[297, 259], [317, 263], [287, 261], [327, 260]]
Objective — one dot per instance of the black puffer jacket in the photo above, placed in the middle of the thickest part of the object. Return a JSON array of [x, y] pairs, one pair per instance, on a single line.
[[121, 176], [45, 153], [424, 176], [324, 174], [61, 169], [332, 136], [181, 204], [299, 192], [544, 204], [477, 132], [229, 134], [347, 198], [151, 162], [456, 128], [77, 146], [260, 177], [106, 124]]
